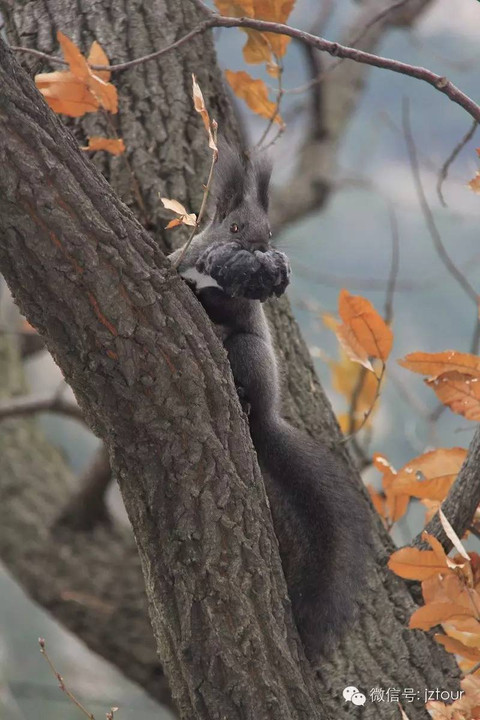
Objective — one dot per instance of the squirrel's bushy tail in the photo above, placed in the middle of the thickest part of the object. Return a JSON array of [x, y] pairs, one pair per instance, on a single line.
[[322, 524]]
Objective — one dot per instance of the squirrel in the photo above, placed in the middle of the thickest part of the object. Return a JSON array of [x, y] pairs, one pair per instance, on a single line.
[[320, 521]]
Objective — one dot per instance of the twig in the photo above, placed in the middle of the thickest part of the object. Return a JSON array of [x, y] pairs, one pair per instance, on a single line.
[[29, 404], [474, 531], [427, 213], [442, 175], [206, 191], [393, 267], [473, 669], [276, 108], [61, 682], [440, 83], [355, 395], [318, 79]]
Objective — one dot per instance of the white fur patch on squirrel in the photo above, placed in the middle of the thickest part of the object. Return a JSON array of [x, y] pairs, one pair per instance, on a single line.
[[201, 280]]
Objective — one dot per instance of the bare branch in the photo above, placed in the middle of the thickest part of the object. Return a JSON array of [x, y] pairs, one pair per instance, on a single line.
[[29, 404], [439, 82], [61, 682], [442, 175], [427, 213], [87, 507]]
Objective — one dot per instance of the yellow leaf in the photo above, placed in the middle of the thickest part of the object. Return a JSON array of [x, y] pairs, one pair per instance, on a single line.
[[174, 205], [254, 92], [434, 364], [370, 329], [115, 146], [458, 391], [184, 217]]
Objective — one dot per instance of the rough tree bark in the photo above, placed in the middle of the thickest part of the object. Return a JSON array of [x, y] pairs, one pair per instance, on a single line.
[[154, 383], [380, 651]]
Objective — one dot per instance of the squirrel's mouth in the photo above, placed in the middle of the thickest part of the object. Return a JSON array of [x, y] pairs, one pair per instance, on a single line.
[[260, 245]]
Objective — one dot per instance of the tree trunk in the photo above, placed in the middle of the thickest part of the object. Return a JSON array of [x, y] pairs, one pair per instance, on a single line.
[[86, 336], [154, 383]]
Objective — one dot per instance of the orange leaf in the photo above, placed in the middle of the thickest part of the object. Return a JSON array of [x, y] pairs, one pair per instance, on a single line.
[[199, 104], [433, 614], [458, 648], [260, 46], [430, 475], [352, 347], [116, 146], [474, 184], [415, 564], [236, 8], [66, 94], [396, 504], [106, 93], [254, 92], [76, 62], [184, 218], [97, 56], [378, 501], [458, 391], [345, 378], [434, 364], [369, 328], [436, 546], [77, 91], [257, 49]]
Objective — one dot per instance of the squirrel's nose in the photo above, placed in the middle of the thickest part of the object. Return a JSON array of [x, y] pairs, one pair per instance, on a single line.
[[261, 245]]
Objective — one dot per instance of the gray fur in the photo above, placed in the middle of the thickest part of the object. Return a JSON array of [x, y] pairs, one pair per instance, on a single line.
[[320, 521]]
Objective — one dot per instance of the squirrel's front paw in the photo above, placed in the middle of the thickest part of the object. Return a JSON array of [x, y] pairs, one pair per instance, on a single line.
[[242, 273]]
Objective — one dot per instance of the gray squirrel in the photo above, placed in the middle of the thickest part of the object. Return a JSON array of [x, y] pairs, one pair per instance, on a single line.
[[320, 521]]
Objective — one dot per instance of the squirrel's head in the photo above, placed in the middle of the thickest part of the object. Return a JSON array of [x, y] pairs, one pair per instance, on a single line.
[[241, 200]]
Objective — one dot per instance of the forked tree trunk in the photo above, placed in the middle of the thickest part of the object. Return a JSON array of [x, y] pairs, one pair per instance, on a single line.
[[155, 385]]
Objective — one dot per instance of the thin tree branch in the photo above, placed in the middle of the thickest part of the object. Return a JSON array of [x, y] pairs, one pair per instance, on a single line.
[[442, 175], [427, 213], [355, 40], [87, 507], [29, 404], [439, 82], [394, 267]]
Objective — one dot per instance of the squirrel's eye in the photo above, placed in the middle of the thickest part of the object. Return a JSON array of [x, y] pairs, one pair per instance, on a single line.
[[234, 228]]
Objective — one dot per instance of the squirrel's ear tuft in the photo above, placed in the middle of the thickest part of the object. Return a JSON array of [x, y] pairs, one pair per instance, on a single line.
[[229, 180], [262, 170]]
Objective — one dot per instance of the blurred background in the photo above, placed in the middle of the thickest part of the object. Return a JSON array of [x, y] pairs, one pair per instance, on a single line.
[[347, 244]]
